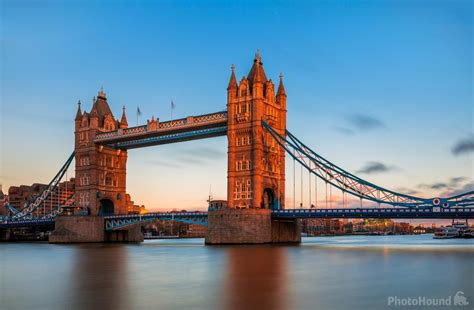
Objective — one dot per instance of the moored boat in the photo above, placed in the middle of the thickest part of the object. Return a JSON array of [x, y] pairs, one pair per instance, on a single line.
[[447, 233]]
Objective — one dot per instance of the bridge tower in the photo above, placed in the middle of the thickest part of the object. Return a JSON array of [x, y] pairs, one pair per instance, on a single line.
[[256, 164], [100, 170]]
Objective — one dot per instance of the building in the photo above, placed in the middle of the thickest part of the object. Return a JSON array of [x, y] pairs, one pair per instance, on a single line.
[[132, 208], [256, 169], [18, 196], [3, 201]]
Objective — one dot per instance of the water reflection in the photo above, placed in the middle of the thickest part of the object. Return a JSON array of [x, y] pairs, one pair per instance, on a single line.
[[256, 278], [99, 279]]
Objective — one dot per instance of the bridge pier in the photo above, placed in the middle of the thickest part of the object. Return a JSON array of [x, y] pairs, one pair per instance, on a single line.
[[250, 226], [5, 234], [85, 229]]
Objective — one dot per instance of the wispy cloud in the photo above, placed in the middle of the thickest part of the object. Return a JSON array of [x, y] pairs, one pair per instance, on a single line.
[[437, 185], [457, 180], [453, 186], [360, 123], [407, 191], [208, 152], [468, 187], [196, 156], [373, 167], [365, 122], [344, 130], [163, 163], [463, 146]]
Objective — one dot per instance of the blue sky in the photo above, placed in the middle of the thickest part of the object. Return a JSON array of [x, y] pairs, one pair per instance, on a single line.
[[384, 84]]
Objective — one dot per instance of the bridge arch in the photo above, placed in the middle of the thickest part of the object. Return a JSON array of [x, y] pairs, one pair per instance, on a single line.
[[268, 199], [106, 207]]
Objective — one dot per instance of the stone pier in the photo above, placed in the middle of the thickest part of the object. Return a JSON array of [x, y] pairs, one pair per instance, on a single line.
[[250, 226], [5, 234], [85, 229]]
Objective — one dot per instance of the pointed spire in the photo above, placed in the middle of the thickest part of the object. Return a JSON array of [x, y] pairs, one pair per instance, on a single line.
[[281, 88], [258, 57], [101, 94], [233, 80], [94, 112], [257, 74], [123, 121], [79, 113]]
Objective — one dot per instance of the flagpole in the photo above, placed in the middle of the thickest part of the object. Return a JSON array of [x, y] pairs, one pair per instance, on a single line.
[[171, 106]]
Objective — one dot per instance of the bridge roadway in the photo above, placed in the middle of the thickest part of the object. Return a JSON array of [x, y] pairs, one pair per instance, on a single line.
[[114, 222]]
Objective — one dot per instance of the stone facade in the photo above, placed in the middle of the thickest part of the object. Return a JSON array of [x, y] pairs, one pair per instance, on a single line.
[[79, 229], [250, 226], [100, 170], [256, 164], [73, 229]]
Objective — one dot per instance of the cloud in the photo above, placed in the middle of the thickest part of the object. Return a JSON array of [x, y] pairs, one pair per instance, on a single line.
[[203, 156], [359, 123], [208, 152], [457, 180], [344, 130], [453, 186], [468, 187], [438, 185], [363, 122], [373, 167], [464, 146], [407, 191], [163, 163]]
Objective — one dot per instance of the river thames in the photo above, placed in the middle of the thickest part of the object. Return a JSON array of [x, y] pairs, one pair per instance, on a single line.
[[348, 272]]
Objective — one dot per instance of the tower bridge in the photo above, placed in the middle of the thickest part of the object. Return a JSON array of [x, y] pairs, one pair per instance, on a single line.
[[258, 140]]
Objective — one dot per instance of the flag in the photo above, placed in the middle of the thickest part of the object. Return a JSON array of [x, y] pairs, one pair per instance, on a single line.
[[138, 111], [172, 105]]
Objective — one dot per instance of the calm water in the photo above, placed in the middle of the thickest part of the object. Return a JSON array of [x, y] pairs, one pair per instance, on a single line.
[[353, 272]]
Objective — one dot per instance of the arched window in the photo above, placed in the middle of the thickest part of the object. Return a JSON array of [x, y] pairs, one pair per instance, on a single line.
[[109, 179]]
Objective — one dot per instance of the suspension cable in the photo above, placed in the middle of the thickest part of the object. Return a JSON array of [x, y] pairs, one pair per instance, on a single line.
[[294, 184], [301, 189], [315, 191], [309, 186], [326, 195], [330, 197], [343, 202]]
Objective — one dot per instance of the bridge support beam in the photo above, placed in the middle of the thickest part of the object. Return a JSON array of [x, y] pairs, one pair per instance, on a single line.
[[250, 226], [84, 229]]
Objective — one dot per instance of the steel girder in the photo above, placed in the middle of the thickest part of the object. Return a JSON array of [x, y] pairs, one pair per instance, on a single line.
[[355, 186]]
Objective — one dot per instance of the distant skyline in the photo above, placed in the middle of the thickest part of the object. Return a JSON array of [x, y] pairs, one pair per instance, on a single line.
[[382, 88]]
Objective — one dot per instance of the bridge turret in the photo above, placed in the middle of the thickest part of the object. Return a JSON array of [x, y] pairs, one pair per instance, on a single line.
[[78, 114], [123, 120], [94, 118], [281, 101], [281, 93], [257, 77], [270, 91], [233, 87]]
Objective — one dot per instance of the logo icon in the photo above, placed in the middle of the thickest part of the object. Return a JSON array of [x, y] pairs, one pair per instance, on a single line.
[[460, 299]]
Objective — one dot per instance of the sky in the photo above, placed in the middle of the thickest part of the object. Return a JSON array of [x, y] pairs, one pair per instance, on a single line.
[[383, 89]]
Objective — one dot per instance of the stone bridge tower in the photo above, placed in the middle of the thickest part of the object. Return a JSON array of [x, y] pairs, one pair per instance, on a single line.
[[256, 164], [100, 170]]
